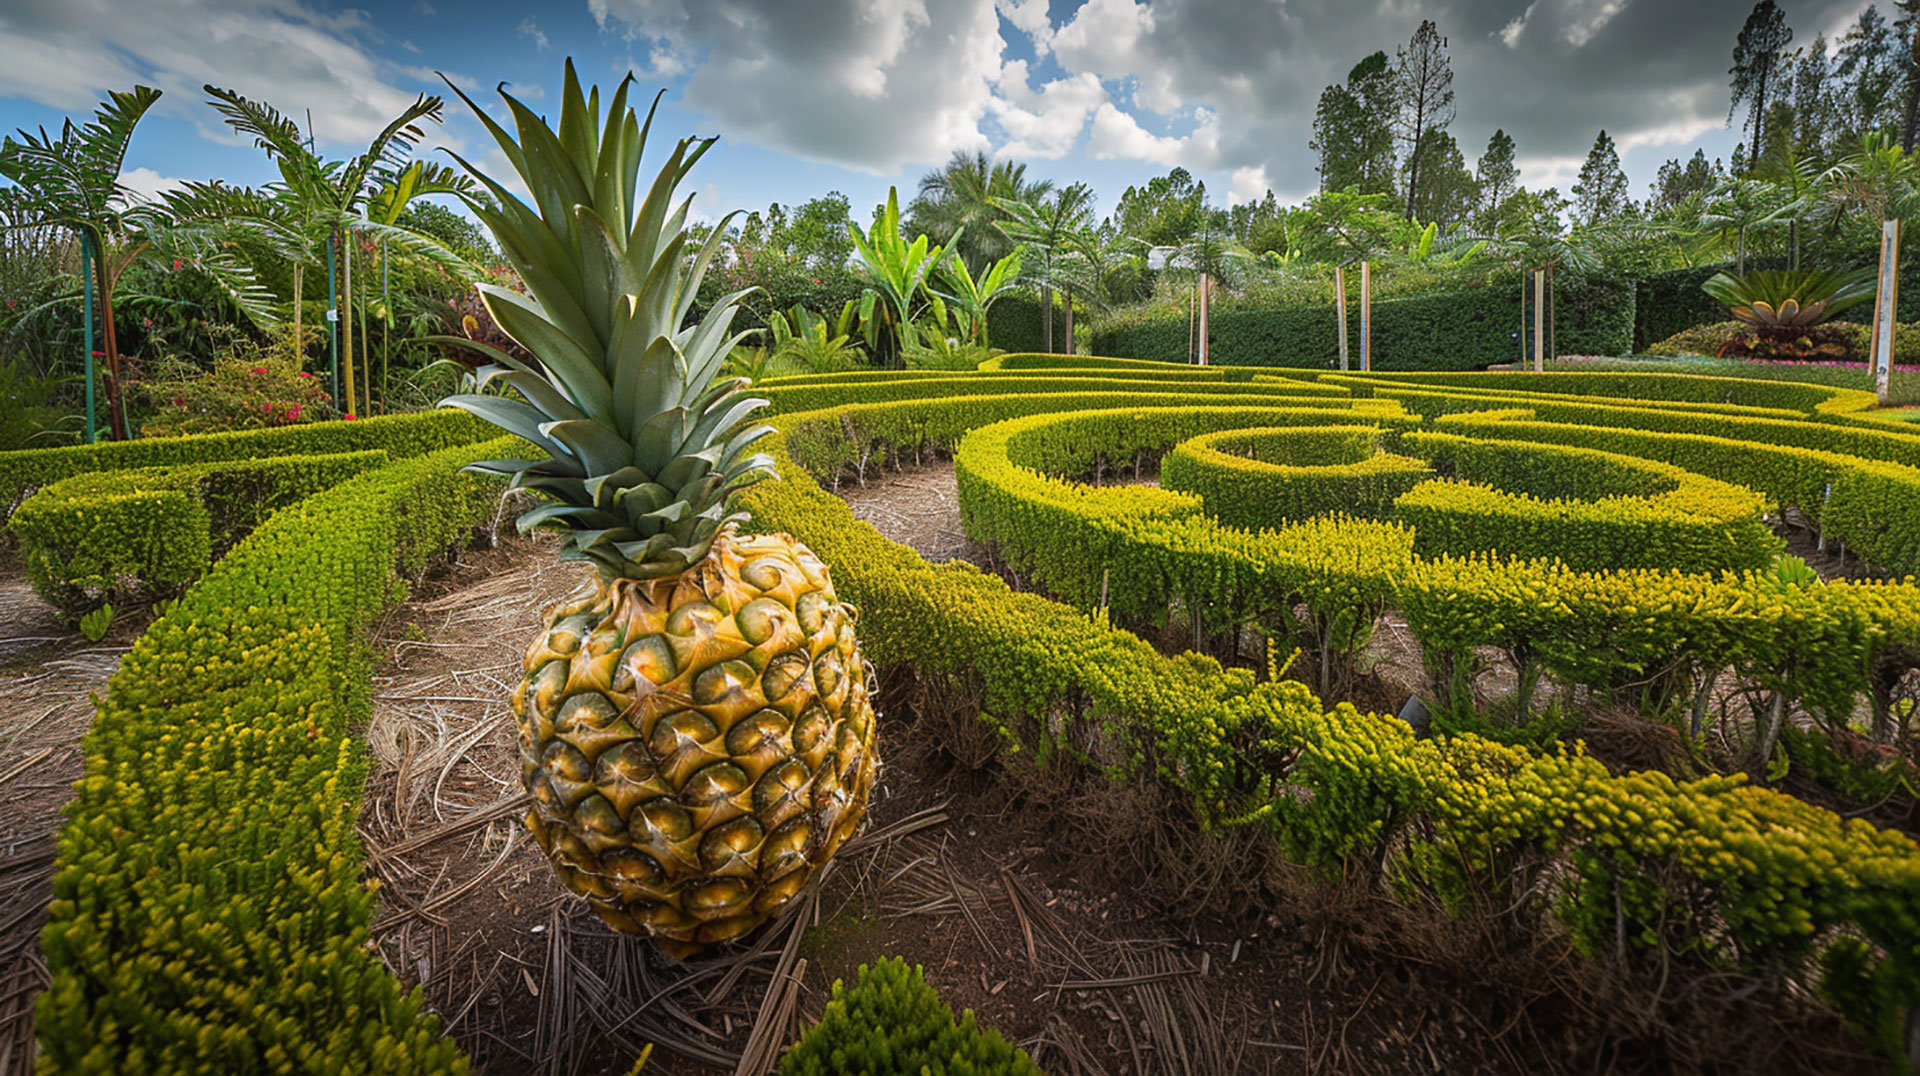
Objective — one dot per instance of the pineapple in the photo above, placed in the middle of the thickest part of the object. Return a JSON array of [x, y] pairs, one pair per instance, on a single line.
[[695, 727]]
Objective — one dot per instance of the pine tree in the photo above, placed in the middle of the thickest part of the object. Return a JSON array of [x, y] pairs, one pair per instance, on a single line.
[[1869, 73], [1601, 193], [1759, 54], [1813, 118], [1447, 192], [1674, 184], [1907, 37], [1424, 93], [1351, 132], [1497, 175]]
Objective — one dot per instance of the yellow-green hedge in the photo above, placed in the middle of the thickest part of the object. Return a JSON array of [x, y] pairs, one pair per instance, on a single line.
[[1263, 477], [795, 398], [1593, 510], [25, 470], [1777, 881], [105, 536], [210, 906]]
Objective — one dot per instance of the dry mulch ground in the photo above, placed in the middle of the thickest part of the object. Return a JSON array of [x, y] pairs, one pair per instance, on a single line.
[[1006, 894], [50, 673], [953, 874]]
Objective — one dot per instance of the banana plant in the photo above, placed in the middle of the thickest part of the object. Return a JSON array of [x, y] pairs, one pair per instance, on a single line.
[[970, 297], [897, 273]]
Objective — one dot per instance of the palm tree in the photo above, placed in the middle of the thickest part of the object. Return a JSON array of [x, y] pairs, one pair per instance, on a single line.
[[959, 206], [317, 202], [1737, 208], [73, 183], [1046, 227], [1881, 182]]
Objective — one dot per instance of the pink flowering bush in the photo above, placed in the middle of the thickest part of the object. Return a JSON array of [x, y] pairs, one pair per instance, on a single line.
[[248, 388]]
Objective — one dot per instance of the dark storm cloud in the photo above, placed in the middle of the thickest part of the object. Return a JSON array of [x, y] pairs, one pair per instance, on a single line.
[[1216, 84]]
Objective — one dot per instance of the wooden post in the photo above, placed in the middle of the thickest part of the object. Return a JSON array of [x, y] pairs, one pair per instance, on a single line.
[[1885, 308], [1539, 321], [1340, 303], [1204, 295], [1366, 317]]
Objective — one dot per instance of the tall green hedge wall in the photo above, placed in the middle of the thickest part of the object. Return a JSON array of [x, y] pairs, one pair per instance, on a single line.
[[1670, 302], [1464, 330]]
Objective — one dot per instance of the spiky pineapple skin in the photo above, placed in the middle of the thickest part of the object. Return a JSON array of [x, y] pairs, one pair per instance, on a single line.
[[696, 746]]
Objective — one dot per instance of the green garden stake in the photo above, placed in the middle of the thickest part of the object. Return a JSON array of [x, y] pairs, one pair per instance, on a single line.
[[86, 348], [386, 328]]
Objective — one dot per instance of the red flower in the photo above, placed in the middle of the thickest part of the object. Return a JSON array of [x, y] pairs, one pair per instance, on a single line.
[[176, 264], [99, 354], [259, 369], [179, 401], [293, 413], [353, 418], [11, 303], [306, 375]]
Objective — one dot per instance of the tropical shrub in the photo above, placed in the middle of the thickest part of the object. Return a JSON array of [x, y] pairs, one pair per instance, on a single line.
[[249, 388], [892, 1023], [1782, 302]]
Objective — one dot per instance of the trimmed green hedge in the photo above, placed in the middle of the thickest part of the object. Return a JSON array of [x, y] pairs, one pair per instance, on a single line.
[[796, 398], [891, 1023], [1264, 477], [109, 535], [1465, 330], [210, 907], [398, 436], [1014, 323], [1798, 397], [1670, 302], [1593, 511], [1769, 879]]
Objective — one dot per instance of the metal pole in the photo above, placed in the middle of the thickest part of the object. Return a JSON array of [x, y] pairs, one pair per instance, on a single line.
[[1539, 321], [1885, 307], [1366, 317], [86, 272], [1340, 301], [333, 324]]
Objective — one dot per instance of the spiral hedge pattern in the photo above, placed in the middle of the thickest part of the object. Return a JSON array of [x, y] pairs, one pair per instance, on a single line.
[[211, 903]]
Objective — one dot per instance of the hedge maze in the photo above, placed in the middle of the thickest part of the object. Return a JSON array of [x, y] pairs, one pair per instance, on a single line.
[[1607, 537]]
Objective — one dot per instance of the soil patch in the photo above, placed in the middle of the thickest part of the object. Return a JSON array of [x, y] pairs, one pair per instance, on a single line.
[[50, 674], [919, 508]]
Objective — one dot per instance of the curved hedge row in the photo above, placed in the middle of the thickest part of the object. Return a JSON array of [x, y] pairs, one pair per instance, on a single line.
[[25, 470], [1591, 510], [1771, 879], [795, 398], [210, 911], [1266, 476], [102, 536]]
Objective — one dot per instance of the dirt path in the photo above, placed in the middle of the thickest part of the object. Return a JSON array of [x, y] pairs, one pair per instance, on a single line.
[[49, 674], [918, 508]]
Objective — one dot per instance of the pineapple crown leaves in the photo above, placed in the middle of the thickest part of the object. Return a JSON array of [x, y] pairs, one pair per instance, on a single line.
[[644, 448]]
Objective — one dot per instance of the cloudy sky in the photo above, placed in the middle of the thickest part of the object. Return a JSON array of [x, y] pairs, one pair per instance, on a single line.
[[855, 95]]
